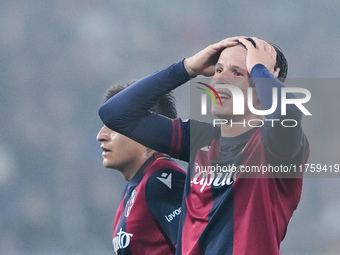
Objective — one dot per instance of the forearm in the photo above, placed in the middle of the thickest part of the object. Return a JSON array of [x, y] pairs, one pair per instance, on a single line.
[[264, 83], [279, 139], [135, 101], [128, 112]]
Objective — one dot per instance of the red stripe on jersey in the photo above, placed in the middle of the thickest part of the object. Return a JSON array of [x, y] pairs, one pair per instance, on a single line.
[[198, 209], [179, 135], [176, 138], [173, 137]]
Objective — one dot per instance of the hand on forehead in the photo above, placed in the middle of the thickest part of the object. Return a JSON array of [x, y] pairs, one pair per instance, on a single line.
[[263, 53]]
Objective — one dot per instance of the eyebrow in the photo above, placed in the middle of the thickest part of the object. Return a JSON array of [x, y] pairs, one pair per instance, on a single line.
[[218, 64], [233, 67]]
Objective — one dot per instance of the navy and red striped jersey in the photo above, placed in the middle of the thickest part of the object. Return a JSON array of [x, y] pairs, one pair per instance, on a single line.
[[240, 215], [147, 218], [226, 212]]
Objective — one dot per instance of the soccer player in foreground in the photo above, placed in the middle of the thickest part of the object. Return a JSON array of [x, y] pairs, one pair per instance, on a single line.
[[225, 212], [147, 218]]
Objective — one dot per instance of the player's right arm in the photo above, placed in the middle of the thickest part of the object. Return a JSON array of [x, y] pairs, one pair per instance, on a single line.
[[128, 111]]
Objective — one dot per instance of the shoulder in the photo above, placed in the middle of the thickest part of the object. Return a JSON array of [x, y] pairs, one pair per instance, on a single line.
[[166, 181], [164, 162], [202, 134], [164, 174], [163, 195]]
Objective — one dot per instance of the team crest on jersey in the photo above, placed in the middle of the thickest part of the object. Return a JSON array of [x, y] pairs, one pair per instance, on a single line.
[[129, 203]]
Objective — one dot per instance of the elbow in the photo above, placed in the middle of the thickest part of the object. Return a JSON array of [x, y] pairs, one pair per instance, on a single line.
[[113, 119], [103, 114], [107, 116]]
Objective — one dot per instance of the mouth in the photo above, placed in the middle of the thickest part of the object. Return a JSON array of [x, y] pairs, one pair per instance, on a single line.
[[105, 151], [223, 95]]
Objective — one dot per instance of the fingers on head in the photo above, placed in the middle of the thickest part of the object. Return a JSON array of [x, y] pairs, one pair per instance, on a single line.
[[246, 42], [231, 41], [262, 45]]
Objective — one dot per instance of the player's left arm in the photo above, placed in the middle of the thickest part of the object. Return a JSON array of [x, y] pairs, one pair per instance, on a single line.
[[164, 193], [281, 141]]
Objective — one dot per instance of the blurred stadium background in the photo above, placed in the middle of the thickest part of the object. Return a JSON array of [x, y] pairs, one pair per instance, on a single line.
[[58, 57]]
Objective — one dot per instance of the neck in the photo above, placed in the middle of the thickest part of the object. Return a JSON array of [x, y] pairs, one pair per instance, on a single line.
[[128, 175], [130, 170]]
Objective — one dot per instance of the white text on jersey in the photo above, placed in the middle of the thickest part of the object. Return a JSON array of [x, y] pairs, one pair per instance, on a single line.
[[121, 240], [212, 179], [172, 215]]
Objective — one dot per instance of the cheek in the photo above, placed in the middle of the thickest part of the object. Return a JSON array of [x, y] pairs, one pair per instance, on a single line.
[[249, 89], [127, 148], [117, 147]]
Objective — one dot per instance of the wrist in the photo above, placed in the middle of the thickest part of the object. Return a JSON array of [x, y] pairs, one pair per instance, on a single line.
[[260, 71], [188, 68]]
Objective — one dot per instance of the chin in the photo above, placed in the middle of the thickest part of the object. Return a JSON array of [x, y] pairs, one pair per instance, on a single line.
[[220, 113], [106, 164]]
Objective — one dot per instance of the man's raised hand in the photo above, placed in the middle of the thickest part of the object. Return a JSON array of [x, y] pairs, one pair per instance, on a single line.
[[203, 63]]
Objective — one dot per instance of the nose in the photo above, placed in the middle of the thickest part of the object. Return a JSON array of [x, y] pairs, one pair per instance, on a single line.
[[224, 76], [221, 80], [103, 134]]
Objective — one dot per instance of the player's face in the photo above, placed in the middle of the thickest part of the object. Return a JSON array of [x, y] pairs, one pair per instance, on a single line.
[[231, 69], [119, 151]]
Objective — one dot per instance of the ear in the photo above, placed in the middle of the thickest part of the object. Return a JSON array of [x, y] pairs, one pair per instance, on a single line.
[[276, 72]]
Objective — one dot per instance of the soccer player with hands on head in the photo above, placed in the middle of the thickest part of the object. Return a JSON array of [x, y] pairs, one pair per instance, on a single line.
[[223, 212]]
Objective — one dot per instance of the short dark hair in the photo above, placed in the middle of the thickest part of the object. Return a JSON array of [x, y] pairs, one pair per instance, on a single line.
[[281, 61], [166, 105]]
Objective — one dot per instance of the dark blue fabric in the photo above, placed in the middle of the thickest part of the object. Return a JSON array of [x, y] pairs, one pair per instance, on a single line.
[[282, 141], [165, 203], [128, 111]]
